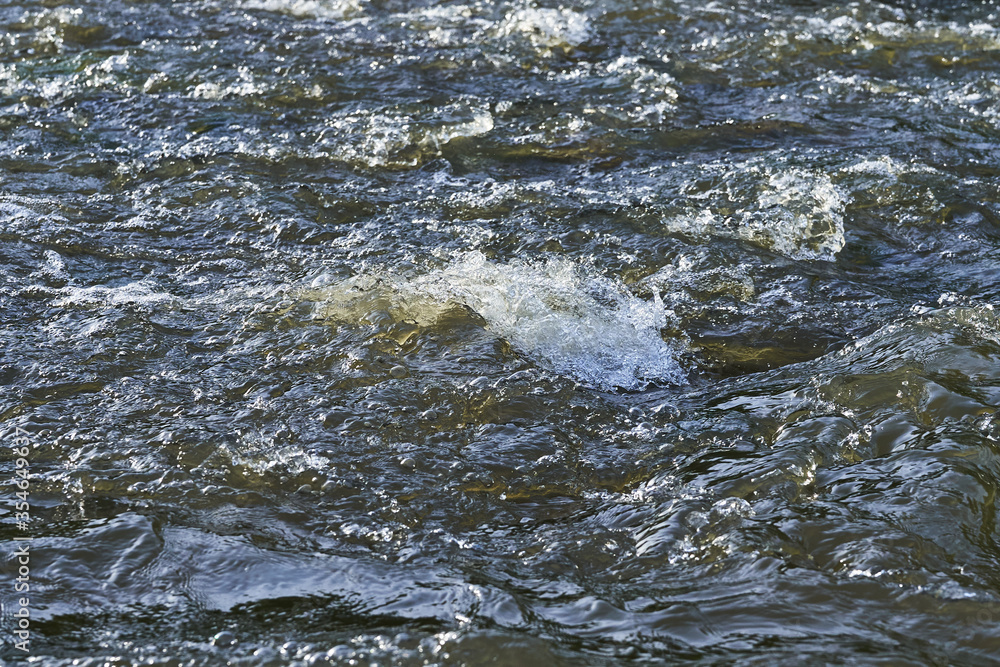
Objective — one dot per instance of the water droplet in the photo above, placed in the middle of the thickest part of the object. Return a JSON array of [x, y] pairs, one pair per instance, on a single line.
[[224, 639]]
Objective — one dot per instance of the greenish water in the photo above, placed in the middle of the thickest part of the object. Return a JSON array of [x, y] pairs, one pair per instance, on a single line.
[[413, 332]]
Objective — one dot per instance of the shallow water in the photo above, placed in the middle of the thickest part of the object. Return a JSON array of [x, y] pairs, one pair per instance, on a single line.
[[413, 332]]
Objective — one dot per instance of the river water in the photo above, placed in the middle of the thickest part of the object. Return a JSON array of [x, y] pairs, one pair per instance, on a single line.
[[414, 332]]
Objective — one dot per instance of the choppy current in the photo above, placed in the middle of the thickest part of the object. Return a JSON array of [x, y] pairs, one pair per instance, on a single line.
[[463, 333]]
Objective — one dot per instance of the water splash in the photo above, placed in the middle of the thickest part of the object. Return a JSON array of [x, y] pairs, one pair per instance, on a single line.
[[547, 29], [559, 312], [796, 212], [800, 213]]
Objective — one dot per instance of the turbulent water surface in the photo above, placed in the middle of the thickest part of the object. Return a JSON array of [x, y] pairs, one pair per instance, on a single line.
[[416, 332]]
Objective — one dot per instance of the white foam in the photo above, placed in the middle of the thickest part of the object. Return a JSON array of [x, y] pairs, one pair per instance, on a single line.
[[629, 87], [142, 292], [558, 312], [643, 78], [15, 217], [480, 123], [245, 86], [448, 25], [547, 28], [320, 9], [53, 265], [401, 140], [882, 166]]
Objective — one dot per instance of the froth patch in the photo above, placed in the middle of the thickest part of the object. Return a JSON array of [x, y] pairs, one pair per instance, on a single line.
[[560, 313]]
